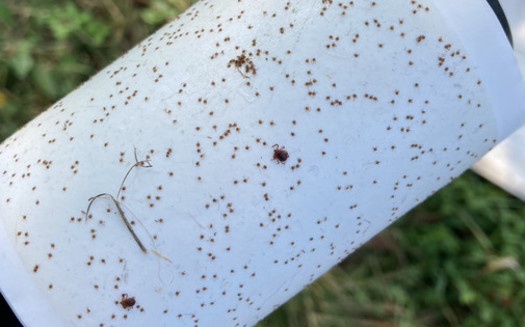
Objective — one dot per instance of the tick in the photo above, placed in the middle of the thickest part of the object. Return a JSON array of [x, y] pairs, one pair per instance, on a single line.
[[279, 153], [127, 302]]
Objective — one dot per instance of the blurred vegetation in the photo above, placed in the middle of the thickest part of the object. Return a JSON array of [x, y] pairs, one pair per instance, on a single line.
[[453, 261]]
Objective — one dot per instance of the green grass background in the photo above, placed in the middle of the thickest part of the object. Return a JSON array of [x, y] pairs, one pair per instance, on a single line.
[[453, 261]]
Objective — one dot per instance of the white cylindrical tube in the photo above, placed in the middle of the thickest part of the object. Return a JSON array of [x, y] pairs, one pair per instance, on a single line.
[[503, 165]]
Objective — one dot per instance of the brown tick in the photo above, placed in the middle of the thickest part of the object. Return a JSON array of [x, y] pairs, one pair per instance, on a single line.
[[279, 153]]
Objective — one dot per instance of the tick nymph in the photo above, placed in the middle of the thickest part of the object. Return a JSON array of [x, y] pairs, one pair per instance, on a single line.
[[127, 302], [279, 154]]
